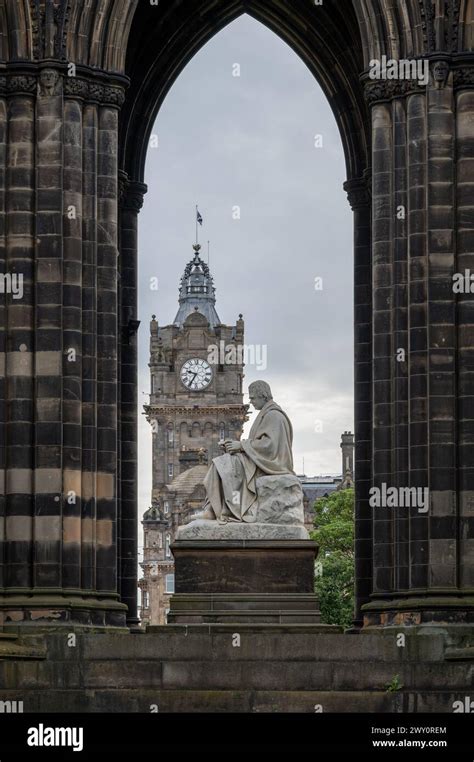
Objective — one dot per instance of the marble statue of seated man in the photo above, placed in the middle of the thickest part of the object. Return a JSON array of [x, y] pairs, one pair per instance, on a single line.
[[232, 482]]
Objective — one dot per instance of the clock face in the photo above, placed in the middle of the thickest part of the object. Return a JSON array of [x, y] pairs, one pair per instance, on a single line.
[[196, 374]]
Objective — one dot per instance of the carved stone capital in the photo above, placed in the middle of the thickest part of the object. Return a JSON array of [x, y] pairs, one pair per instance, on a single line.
[[463, 77], [380, 90], [89, 90], [358, 193], [20, 84], [78, 88], [50, 80], [132, 193]]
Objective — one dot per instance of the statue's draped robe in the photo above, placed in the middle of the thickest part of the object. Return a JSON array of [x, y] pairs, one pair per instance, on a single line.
[[231, 480]]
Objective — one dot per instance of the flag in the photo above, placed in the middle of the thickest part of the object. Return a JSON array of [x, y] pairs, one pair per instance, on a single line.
[[198, 217]]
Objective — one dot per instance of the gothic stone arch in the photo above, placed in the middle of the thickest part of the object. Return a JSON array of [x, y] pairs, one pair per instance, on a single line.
[[80, 86]]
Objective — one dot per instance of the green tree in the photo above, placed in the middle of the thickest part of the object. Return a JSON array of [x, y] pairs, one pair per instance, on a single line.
[[334, 533]]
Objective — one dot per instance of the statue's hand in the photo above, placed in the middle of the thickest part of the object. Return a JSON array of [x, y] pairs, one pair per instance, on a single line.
[[232, 446]]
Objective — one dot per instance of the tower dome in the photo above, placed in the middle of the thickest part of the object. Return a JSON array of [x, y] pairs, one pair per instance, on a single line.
[[197, 292]]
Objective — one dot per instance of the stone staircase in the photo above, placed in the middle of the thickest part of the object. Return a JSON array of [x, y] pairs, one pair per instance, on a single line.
[[239, 668]]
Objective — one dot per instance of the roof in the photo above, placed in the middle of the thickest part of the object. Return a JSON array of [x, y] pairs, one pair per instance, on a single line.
[[197, 292], [186, 482]]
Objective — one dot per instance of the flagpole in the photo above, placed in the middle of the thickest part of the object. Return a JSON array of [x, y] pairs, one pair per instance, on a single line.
[[196, 224], [208, 246]]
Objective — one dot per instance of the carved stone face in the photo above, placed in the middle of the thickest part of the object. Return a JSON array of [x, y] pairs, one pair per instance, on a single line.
[[440, 71], [257, 400], [48, 80]]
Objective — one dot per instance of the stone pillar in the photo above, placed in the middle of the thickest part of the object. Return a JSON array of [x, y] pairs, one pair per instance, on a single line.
[[107, 349], [358, 191], [51, 371], [421, 569], [131, 201], [72, 343], [464, 170], [3, 347], [59, 351], [89, 346], [21, 342]]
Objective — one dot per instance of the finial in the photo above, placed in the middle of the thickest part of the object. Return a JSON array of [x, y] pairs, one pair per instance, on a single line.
[[240, 316], [153, 317], [197, 247]]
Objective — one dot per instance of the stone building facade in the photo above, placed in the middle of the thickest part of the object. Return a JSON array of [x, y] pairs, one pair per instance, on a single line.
[[196, 400], [315, 487]]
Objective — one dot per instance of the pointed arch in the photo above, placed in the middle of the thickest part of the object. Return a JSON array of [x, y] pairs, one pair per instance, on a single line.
[[325, 37]]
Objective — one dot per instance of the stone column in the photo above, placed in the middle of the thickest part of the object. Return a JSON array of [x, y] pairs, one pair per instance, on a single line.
[[107, 349], [3, 322], [89, 347], [359, 199], [21, 342], [131, 201], [50, 366], [464, 104], [59, 352], [421, 566], [72, 441]]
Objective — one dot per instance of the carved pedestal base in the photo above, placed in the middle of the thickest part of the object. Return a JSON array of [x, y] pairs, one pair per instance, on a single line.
[[244, 581]]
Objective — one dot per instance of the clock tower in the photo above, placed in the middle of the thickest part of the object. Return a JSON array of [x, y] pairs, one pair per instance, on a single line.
[[196, 399]]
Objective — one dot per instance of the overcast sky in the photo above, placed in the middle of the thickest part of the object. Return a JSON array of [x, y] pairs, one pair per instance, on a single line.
[[249, 141]]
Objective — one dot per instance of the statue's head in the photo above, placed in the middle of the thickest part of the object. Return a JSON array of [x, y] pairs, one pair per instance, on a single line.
[[259, 394]]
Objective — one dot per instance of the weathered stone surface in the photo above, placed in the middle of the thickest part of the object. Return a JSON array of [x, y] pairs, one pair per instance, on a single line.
[[197, 669], [241, 581], [201, 529], [280, 500], [279, 515]]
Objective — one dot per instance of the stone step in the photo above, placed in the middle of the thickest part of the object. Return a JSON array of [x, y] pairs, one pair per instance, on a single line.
[[286, 643], [236, 675], [146, 700], [252, 608]]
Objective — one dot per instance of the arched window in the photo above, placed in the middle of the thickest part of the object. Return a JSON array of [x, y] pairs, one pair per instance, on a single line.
[[169, 583]]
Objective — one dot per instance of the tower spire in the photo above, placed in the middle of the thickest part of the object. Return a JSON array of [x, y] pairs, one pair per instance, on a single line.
[[196, 291]]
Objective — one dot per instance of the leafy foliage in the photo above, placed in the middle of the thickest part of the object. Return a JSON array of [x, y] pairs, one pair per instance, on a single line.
[[334, 533]]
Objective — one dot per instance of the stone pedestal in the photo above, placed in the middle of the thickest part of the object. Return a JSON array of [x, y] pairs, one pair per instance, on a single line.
[[244, 581]]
